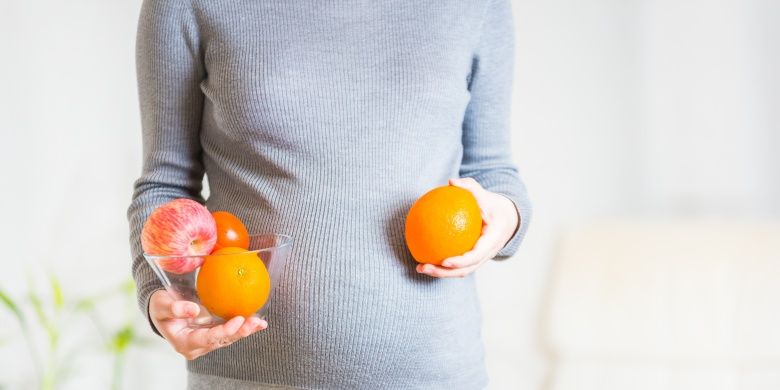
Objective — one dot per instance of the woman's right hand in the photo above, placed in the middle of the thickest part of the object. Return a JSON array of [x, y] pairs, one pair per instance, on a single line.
[[170, 317]]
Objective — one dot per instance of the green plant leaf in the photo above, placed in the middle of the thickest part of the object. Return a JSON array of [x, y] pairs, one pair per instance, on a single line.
[[85, 304], [122, 339], [56, 290], [38, 307], [128, 287], [12, 306], [43, 319]]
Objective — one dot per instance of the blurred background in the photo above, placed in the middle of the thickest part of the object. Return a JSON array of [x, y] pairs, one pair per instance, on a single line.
[[646, 130]]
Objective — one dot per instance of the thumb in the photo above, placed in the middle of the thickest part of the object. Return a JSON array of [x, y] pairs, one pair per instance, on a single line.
[[184, 309], [164, 307], [467, 183]]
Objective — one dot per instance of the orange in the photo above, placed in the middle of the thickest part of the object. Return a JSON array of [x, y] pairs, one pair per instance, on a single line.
[[233, 282], [442, 223], [230, 231]]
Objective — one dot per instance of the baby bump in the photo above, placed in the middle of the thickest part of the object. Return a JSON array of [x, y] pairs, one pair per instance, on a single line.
[[349, 297]]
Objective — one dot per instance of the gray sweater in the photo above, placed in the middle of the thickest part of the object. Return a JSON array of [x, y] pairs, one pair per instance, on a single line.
[[325, 120]]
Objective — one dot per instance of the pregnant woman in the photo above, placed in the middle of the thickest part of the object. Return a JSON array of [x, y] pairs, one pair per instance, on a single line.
[[325, 120]]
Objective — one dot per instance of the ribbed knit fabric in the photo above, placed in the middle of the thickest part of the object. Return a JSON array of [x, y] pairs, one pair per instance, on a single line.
[[325, 120]]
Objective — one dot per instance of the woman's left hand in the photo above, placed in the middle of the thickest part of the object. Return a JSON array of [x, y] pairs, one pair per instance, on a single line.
[[500, 220]]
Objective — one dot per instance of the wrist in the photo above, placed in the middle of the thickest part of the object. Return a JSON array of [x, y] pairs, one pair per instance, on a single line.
[[148, 311], [513, 215]]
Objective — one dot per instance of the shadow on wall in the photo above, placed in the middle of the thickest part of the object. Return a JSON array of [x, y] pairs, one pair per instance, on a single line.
[[693, 305]]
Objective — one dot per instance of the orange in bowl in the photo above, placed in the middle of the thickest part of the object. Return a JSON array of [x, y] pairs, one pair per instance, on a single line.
[[233, 282]]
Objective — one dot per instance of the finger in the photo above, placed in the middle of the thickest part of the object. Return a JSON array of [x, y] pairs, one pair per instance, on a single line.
[[162, 306], [476, 189], [227, 333], [442, 272], [171, 328], [466, 182], [184, 309], [486, 246], [470, 185], [251, 325], [215, 337]]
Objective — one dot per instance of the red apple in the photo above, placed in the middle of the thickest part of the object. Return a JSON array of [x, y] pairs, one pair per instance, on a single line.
[[181, 227]]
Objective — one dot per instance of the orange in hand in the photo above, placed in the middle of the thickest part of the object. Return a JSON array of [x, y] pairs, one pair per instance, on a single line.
[[444, 222], [233, 282]]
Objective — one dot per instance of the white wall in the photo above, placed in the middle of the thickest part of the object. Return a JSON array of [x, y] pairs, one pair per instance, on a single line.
[[652, 109], [623, 107], [707, 136], [574, 101], [71, 149]]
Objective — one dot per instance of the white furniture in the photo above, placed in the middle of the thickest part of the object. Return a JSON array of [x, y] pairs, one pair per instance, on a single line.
[[683, 305]]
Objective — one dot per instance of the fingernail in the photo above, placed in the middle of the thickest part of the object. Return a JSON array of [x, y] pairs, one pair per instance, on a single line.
[[447, 264]]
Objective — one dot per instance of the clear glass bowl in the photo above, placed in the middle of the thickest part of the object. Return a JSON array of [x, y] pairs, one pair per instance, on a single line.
[[272, 249]]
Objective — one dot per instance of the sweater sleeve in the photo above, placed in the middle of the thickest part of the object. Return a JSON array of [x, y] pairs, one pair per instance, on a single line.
[[487, 155], [169, 69]]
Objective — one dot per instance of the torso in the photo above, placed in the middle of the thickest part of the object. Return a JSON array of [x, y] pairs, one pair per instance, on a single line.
[[325, 120]]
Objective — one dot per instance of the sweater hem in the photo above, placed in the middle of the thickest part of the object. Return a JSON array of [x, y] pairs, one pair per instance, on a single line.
[[200, 381]]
